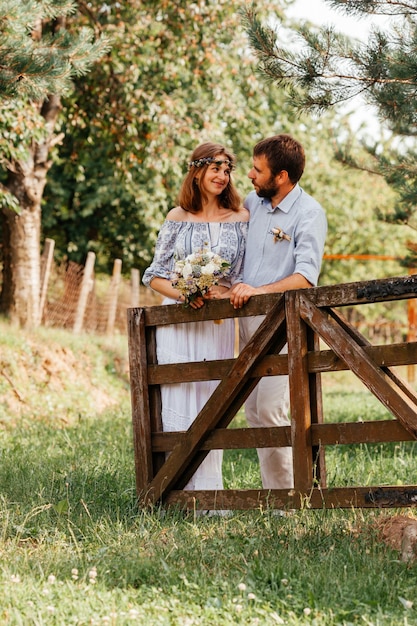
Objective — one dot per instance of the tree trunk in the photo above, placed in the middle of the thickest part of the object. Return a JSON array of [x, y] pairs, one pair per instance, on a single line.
[[20, 295], [21, 272]]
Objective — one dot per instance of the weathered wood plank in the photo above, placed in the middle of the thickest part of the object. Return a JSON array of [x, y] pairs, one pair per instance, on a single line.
[[317, 412], [154, 394], [300, 399], [232, 499], [232, 389], [230, 438], [337, 497], [394, 355], [324, 361], [347, 433], [141, 419], [346, 294], [343, 433], [377, 381], [212, 310]]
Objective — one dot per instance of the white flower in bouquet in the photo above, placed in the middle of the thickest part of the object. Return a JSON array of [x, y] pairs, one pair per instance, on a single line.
[[210, 268], [187, 270], [194, 275]]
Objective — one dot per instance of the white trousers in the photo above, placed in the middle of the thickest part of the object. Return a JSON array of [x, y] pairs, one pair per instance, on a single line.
[[268, 405]]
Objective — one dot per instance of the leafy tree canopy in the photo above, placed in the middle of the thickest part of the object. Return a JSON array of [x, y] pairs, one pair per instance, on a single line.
[[325, 68], [34, 66], [173, 79], [40, 54]]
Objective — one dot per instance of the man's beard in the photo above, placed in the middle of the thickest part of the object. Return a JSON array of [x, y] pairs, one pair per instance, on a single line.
[[269, 190]]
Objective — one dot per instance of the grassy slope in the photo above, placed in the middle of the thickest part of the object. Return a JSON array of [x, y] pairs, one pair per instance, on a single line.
[[75, 549], [54, 375]]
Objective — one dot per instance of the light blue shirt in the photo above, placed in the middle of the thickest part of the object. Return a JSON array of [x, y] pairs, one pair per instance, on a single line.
[[300, 217]]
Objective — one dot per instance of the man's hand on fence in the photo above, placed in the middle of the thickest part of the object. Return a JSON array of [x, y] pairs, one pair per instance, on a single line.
[[240, 294]]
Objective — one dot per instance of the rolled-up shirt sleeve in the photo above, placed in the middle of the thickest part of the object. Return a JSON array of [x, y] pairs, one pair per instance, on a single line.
[[310, 236]]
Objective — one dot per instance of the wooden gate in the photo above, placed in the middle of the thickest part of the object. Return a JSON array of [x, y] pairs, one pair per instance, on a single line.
[[305, 320]]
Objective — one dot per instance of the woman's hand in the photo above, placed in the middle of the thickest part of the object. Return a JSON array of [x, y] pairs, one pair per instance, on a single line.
[[197, 303], [217, 292]]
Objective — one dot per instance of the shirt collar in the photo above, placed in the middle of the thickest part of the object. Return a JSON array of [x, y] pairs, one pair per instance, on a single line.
[[286, 203]]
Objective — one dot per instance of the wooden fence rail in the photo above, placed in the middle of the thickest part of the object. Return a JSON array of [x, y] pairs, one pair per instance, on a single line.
[[305, 320]]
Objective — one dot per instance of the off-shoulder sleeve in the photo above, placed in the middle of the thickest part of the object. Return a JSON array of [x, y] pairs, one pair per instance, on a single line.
[[163, 261]]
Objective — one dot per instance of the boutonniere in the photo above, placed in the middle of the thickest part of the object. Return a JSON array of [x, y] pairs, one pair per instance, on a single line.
[[279, 234]]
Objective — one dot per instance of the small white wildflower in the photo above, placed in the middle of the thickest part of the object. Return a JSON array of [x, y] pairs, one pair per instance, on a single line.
[[105, 619], [407, 604], [50, 609], [241, 587], [92, 575], [133, 613], [251, 596], [307, 611], [74, 573], [51, 579], [238, 608], [15, 578], [46, 591], [284, 581]]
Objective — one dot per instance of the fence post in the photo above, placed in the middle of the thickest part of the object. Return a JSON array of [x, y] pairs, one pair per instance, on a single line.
[[86, 286], [134, 282], [141, 419], [113, 295], [300, 399], [46, 264]]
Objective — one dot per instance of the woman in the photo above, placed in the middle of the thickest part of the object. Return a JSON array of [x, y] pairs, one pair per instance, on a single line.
[[209, 215]]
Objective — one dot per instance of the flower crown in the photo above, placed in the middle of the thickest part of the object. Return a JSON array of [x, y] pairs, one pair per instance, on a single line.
[[208, 160]]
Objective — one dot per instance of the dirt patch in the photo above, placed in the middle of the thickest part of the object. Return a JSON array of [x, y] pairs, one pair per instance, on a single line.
[[43, 379], [399, 532]]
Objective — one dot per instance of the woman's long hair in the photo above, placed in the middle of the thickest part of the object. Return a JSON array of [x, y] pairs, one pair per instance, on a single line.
[[190, 197]]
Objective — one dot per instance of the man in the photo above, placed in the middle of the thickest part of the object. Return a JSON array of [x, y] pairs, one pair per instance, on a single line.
[[284, 250]]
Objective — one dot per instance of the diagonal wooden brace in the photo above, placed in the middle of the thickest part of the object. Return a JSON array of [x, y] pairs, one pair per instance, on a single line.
[[358, 360], [362, 341], [230, 393]]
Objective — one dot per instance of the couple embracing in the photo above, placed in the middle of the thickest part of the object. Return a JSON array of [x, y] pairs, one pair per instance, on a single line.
[[273, 243]]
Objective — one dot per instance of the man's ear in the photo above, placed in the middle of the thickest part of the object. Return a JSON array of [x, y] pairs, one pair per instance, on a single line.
[[282, 177]]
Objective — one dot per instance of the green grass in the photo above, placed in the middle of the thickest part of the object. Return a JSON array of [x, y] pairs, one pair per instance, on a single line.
[[76, 550], [68, 503]]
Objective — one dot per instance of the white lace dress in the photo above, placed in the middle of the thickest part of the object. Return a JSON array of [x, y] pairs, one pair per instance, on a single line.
[[196, 341]]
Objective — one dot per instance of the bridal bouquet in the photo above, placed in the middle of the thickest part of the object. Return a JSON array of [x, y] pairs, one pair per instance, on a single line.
[[194, 275]]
